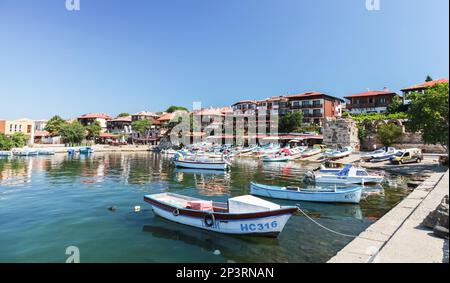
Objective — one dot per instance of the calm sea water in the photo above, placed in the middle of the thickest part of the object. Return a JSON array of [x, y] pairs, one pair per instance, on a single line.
[[50, 203]]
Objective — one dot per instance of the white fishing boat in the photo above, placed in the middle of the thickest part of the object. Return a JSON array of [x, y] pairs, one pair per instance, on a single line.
[[344, 195], [181, 160], [25, 152], [46, 152], [311, 152], [349, 175], [243, 215], [386, 155], [339, 153], [379, 154], [5, 153]]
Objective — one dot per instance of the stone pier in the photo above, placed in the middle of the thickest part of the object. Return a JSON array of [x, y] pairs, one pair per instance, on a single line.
[[399, 235]]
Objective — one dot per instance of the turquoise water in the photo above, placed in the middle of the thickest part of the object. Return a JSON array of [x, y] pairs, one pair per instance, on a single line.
[[50, 203]]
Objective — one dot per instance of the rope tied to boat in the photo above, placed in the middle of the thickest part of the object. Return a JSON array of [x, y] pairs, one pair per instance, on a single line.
[[322, 226]]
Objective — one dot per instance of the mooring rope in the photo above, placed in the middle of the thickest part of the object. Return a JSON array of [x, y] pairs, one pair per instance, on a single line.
[[323, 227]]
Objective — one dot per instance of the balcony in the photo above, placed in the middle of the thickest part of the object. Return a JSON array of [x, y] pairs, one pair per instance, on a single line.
[[307, 106], [313, 115]]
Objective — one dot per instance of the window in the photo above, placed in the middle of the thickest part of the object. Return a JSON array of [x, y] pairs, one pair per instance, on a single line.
[[316, 102], [295, 103], [10, 127], [29, 129], [361, 173], [370, 100], [305, 103]]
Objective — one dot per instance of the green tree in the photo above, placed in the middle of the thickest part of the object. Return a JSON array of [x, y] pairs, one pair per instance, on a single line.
[[388, 134], [5, 142], [93, 131], [73, 133], [291, 122], [54, 125], [124, 114], [19, 139], [173, 108], [395, 106], [429, 79], [141, 126], [346, 115], [362, 134], [429, 114]]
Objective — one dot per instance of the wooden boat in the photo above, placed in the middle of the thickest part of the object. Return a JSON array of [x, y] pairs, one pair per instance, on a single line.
[[202, 164], [339, 153], [349, 175], [347, 195], [243, 215], [275, 159], [180, 160], [311, 152], [86, 150]]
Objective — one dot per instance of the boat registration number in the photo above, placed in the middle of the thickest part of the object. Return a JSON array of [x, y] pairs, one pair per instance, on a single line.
[[350, 196], [258, 226]]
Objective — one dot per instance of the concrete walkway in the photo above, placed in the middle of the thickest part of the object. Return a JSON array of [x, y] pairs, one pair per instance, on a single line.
[[398, 236]]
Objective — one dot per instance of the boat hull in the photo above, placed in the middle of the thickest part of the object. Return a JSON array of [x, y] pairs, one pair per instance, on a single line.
[[267, 223], [201, 165], [345, 180], [341, 196]]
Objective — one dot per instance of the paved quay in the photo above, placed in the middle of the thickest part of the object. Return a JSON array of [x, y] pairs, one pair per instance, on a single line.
[[399, 236]]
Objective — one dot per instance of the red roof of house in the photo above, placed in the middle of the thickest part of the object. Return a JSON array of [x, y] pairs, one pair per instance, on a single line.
[[425, 84], [245, 102], [122, 119], [95, 116], [41, 134], [312, 94], [166, 117], [371, 93]]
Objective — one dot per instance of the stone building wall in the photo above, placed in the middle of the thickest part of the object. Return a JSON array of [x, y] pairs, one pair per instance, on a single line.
[[340, 131], [408, 140]]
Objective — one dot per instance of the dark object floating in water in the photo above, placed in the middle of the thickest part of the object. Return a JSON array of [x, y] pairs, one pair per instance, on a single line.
[[112, 208]]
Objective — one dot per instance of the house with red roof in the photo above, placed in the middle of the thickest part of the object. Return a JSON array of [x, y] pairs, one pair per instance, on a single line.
[[315, 106], [89, 119], [376, 101], [420, 88]]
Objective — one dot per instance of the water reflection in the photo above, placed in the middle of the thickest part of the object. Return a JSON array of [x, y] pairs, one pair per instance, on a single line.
[[84, 186]]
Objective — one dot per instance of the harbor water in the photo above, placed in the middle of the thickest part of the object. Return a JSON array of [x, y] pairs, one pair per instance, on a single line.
[[48, 203]]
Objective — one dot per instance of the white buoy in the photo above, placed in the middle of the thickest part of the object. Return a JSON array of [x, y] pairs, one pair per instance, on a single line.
[[137, 208], [216, 252]]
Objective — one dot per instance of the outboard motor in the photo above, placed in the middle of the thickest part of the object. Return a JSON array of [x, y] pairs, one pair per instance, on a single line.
[[310, 177]]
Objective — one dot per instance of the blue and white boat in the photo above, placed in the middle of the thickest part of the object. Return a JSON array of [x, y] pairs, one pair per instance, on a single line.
[[86, 150], [349, 175], [275, 158], [379, 154], [71, 151], [339, 153], [46, 152], [344, 195], [25, 152], [386, 155], [5, 153]]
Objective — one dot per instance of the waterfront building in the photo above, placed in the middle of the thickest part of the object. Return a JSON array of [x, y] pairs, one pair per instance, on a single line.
[[420, 88], [316, 106], [119, 125], [145, 115], [39, 125], [245, 107], [25, 126], [375, 101], [89, 119]]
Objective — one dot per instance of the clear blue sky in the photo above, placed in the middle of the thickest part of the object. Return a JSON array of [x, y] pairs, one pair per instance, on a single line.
[[115, 55]]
